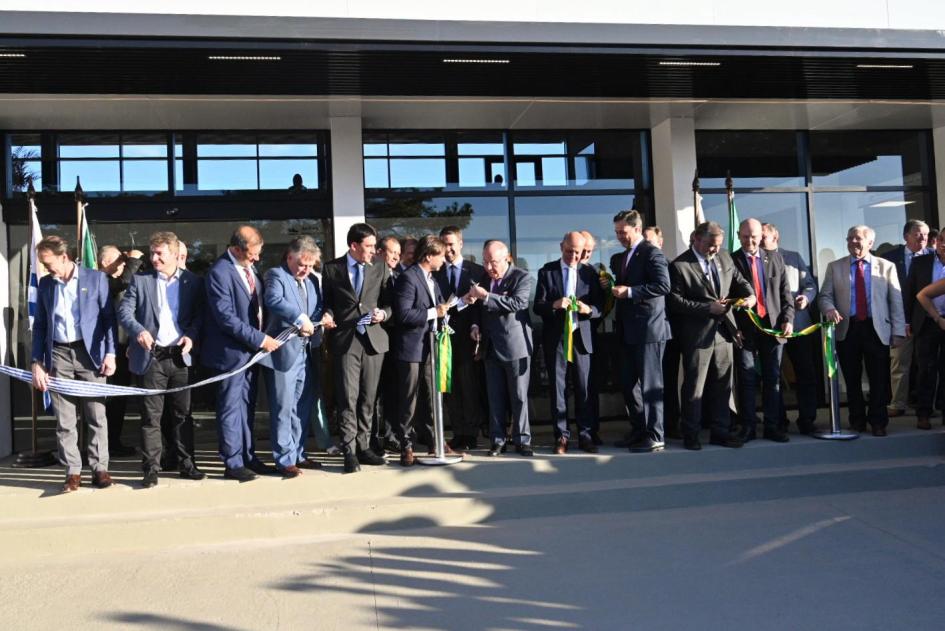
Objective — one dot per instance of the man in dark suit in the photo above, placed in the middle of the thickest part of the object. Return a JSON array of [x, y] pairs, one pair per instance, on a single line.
[[925, 332], [569, 296], [464, 404], [74, 338], [386, 417], [642, 282], [704, 283], [293, 298], [764, 270], [418, 303], [506, 335], [162, 312], [232, 335], [355, 288], [915, 234]]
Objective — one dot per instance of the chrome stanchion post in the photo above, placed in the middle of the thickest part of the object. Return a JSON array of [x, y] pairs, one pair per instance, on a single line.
[[439, 442], [833, 387]]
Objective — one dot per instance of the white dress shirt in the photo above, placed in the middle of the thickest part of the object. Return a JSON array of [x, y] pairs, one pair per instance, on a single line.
[[168, 298], [66, 310]]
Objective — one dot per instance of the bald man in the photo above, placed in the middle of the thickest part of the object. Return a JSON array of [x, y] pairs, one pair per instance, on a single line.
[[569, 298], [505, 332]]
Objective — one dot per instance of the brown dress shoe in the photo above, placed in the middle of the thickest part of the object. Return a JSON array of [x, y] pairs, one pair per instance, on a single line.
[[72, 483], [894, 412], [406, 457], [923, 423], [101, 479], [308, 463], [561, 447], [290, 472]]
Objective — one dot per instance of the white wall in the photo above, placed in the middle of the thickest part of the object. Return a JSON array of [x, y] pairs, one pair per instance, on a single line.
[[872, 14]]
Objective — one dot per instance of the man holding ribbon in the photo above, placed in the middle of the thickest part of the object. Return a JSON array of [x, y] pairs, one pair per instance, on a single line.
[[642, 282], [568, 298], [162, 311], [357, 297], [774, 308], [232, 335], [861, 295], [418, 303], [293, 298]]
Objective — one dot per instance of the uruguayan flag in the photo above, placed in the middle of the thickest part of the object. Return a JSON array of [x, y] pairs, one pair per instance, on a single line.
[[32, 289]]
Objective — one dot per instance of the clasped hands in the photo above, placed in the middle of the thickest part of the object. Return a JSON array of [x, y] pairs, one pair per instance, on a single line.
[[565, 303]]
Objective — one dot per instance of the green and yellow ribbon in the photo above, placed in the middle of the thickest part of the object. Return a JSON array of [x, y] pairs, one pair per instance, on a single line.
[[568, 331], [609, 294], [830, 356], [740, 304], [444, 359]]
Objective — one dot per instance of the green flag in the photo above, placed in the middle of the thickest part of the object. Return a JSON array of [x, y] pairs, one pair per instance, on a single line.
[[88, 252], [733, 243]]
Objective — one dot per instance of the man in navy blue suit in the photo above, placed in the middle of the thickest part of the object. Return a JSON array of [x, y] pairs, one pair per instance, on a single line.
[[294, 299], [559, 283], [74, 338], [642, 282], [162, 312], [417, 304], [232, 335]]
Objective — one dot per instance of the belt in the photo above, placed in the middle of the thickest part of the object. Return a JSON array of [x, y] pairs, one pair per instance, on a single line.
[[165, 352], [75, 344]]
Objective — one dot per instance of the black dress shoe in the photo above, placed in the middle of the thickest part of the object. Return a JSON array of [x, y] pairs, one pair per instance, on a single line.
[[879, 431], [777, 435], [496, 449], [692, 443], [192, 473], [647, 446], [745, 435], [524, 450], [169, 464], [351, 464], [260, 467], [732, 442], [806, 429], [392, 445], [596, 438], [150, 479], [240, 474], [368, 457], [588, 445]]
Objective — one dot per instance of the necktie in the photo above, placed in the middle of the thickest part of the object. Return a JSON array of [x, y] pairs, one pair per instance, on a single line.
[[760, 308], [251, 280], [626, 263], [357, 279], [714, 272], [303, 293], [860, 289], [453, 279], [495, 286]]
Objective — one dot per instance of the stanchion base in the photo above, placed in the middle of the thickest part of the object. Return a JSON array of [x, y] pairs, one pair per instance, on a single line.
[[841, 435], [433, 461], [34, 459]]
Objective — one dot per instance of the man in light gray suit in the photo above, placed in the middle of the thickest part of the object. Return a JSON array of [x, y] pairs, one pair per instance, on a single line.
[[505, 332], [162, 311], [293, 298], [799, 349], [861, 294]]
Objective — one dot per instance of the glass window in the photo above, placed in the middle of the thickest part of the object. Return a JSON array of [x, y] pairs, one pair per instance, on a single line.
[[226, 175], [597, 160], [406, 161], [886, 213], [145, 175], [418, 173], [480, 218], [787, 211], [869, 158], [267, 161], [481, 160], [25, 156], [92, 145], [754, 158]]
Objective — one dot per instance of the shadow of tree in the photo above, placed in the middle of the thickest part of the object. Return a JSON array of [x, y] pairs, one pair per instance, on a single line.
[[168, 623]]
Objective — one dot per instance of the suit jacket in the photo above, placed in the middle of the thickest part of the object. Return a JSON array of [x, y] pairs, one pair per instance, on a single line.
[[920, 275], [412, 302], [232, 330], [885, 297], [117, 287], [551, 288], [96, 317], [801, 283], [139, 311], [691, 293], [898, 256], [284, 308], [346, 308], [506, 328], [777, 294], [641, 319], [462, 321]]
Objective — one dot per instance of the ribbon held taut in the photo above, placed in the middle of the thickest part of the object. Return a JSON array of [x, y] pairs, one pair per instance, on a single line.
[[568, 329]]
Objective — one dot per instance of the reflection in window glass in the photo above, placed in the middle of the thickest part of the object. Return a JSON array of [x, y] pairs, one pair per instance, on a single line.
[[886, 213], [787, 211], [226, 151], [145, 175], [88, 146], [480, 149], [375, 174], [754, 158], [144, 146], [289, 150], [375, 149], [417, 149], [525, 174], [25, 155], [418, 173], [96, 176], [227, 175], [539, 148], [554, 172], [472, 172], [178, 175], [279, 174], [869, 158]]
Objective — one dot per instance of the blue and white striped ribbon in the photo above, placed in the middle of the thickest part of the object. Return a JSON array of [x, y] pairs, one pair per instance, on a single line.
[[74, 388]]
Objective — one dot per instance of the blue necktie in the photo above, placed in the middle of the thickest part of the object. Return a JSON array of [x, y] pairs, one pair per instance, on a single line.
[[357, 279]]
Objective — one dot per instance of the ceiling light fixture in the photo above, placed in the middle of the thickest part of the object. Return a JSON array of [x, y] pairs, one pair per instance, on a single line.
[[885, 66], [13, 55], [243, 58], [475, 61], [709, 64]]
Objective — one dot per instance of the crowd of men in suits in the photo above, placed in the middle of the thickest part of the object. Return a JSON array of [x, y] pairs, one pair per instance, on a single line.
[[377, 309]]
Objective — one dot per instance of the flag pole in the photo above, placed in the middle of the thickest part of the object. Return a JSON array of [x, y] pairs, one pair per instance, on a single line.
[[35, 458], [78, 221], [833, 388], [439, 457]]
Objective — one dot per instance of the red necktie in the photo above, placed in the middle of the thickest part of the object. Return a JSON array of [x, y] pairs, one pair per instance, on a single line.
[[860, 292], [252, 291], [760, 308]]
